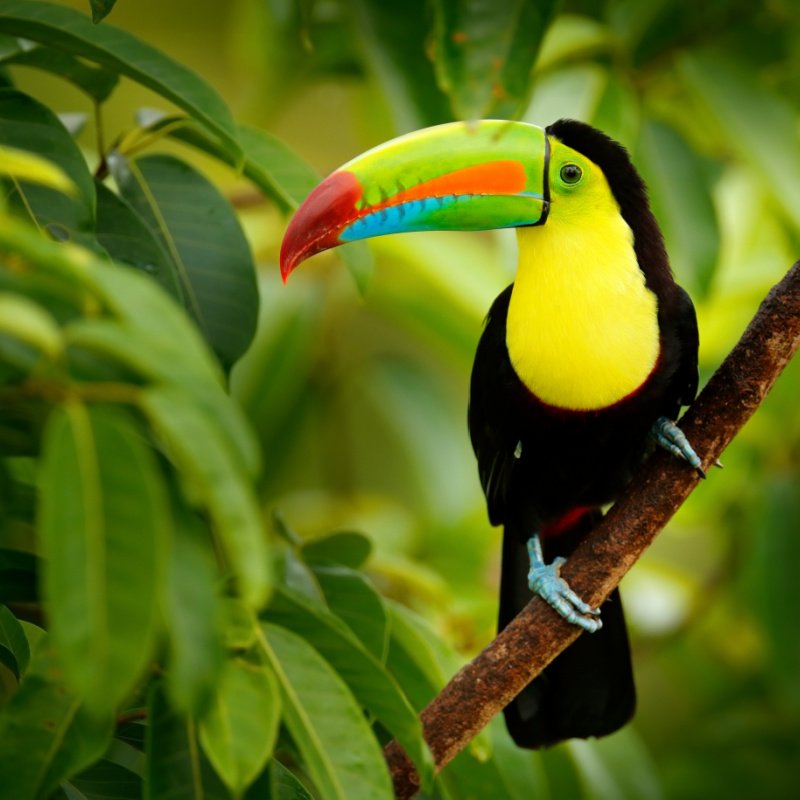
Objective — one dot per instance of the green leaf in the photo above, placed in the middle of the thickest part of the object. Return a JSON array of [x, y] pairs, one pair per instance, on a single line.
[[101, 9], [22, 166], [299, 577], [682, 204], [348, 548], [42, 270], [149, 318], [200, 231], [469, 776], [413, 656], [326, 723], [29, 323], [106, 781], [97, 82], [112, 341], [354, 600], [283, 785], [239, 730], [485, 53], [267, 161], [14, 650], [395, 46], [771, 578], [45, 735], [369, 681], [274, 380], [122, 53], [757, 124], [192, 613], [275, 168], [214, 481], [176, 768], [572, 37], [129, 240], [26, 124], [618, 111], [103, 522]]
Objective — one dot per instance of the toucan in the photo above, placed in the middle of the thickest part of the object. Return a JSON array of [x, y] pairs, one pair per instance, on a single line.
[[581, 370]]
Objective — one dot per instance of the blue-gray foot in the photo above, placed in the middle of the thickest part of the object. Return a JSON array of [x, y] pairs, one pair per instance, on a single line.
[[546, 581], [669, 436]]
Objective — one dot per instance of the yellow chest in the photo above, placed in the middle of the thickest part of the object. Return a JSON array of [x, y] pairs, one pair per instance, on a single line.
[[582, 330]]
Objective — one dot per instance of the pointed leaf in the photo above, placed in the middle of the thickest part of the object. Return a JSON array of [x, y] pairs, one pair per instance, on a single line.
[[26, 124], [299, 578], [213, 480], [30, 324], [128, 239], [395, 46], [122, 53], [369, 681], [176, 767], [356, 602], [326, 723], [240, 728], [97, 82], [198, 228], [348, 548], [101, 9], [413, 657], [14, 650], [152, 320], [283, 785], [22, 166], [192, 612], [106, 781], [45, 735], [268, 162], [485, 53], [103, 521]]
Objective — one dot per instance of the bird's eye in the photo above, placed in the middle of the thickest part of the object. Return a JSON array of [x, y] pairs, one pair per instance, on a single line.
[[571, 174]]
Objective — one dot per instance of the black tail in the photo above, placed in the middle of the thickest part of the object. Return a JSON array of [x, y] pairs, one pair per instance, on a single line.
[[588, 690]]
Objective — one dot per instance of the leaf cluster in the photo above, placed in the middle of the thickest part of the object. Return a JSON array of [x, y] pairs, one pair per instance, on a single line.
[[160, 634]]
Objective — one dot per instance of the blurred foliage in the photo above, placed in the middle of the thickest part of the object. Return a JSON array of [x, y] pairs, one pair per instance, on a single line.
[[143, 515]]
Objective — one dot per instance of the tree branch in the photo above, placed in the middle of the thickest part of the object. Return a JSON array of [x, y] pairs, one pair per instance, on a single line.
[[537, 635]]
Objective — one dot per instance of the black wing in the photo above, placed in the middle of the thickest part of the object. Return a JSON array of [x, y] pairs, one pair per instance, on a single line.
[[681, 323], [490, 417], [687, 376]]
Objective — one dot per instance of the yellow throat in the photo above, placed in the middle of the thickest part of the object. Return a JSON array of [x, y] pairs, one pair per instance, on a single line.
[[582, 330]]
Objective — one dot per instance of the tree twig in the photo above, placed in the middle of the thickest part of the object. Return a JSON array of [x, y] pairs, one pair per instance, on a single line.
[[482, 688]]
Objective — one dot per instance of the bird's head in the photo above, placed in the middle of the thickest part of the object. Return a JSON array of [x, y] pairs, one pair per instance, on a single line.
[[463, 176]]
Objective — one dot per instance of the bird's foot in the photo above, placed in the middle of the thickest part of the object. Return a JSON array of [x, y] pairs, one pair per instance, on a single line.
[[546, 581], [669, 436]]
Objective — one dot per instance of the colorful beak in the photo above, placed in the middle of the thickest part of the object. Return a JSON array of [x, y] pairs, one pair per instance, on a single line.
[[460, 176]]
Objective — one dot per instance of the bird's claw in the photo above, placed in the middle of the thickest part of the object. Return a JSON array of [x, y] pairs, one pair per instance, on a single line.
[[669, 436], [545, 580]]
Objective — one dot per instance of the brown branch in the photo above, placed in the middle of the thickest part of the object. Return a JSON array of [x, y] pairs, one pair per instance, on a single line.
[[484, 686]]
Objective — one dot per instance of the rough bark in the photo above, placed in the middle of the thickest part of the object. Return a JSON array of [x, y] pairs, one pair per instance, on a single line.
[[484, 686]]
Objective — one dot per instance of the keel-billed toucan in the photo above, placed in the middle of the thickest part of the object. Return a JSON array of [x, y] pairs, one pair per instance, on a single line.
[[584, 362]]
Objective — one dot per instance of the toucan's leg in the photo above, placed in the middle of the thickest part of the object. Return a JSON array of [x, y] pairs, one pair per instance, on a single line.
[[669, 436], [546, 581]]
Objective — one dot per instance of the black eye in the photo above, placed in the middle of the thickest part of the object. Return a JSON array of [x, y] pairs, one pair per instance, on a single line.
[[571, 173]]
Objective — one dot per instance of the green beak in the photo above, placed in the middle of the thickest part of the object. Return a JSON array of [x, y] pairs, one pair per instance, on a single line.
[[459, 176]]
